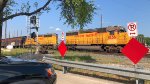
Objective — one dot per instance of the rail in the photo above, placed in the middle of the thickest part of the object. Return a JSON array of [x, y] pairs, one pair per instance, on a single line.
[[127, 72]]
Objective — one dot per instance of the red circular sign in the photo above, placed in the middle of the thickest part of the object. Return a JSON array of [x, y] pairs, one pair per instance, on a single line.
[[132, 26]]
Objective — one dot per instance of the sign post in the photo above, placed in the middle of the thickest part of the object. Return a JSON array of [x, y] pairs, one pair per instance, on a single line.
[[132, 32], [134, 50], [62, 49]]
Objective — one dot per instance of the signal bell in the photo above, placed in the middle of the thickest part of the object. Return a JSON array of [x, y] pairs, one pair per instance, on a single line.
[[33, 35]]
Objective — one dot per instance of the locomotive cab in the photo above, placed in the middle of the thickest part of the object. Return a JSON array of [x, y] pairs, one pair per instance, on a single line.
[[117, 38], [122, 30], [113, 32]]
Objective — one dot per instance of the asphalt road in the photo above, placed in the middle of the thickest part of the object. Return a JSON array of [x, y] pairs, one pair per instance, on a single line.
[[70, 78]]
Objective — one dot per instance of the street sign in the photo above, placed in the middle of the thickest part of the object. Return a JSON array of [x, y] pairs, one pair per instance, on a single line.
[[62, 48], [132, 29], [134, 50]]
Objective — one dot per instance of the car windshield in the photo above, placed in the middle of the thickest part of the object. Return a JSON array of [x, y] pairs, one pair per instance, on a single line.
[[95, 41]]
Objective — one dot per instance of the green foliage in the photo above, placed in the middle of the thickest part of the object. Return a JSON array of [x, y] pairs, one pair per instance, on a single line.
[[25, 7], [13, 8], [77, 12], [8, 10], [141, 35], [147, 39], [76, 58], [16, 52]]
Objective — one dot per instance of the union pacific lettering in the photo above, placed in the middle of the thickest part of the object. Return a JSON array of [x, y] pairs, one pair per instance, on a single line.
[[112, 37], [40, 38], [88, 35]]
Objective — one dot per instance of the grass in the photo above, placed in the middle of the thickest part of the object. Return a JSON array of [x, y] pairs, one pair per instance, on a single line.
[[76, 58], [97, 58], [72, 56], [16, 52], [88, 57]]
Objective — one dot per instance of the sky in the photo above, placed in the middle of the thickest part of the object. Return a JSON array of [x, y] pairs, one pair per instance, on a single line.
[[114, 12]]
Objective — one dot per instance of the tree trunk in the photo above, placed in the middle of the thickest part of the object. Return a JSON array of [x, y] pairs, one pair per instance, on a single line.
[[1, 25]]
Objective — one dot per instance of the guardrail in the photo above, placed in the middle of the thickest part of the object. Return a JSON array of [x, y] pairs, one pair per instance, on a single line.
[[128, 72]]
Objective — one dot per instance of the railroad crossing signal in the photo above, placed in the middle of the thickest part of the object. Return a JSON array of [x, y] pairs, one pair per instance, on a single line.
[[132, 29], [134, 50]]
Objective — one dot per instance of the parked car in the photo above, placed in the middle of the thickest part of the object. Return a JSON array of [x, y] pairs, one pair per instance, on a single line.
[[18, 71]]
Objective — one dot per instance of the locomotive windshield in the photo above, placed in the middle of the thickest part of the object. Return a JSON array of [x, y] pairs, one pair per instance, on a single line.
[[122, 30]]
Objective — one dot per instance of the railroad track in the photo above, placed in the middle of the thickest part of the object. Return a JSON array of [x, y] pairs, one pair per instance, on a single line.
[[101, 53], [105, 53]]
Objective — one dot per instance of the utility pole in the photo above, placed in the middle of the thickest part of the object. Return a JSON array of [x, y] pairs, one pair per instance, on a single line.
[[17, 33], [28, 26], [102, 25], [30, 41], [5, 33], [28, 33], [6, 30], [37, 27], [21, 33], [9, 34], [101, 21], [14, 33]]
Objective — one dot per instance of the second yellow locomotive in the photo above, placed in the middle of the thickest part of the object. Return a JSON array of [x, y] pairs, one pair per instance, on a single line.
[[48, 41]]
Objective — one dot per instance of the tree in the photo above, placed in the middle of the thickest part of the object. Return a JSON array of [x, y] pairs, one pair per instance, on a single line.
[[141, 35], [75, 12], [147, 39]]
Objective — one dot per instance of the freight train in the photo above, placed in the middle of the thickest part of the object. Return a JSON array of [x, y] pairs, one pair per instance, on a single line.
[[17, 41], [111, 38], [48, 40]]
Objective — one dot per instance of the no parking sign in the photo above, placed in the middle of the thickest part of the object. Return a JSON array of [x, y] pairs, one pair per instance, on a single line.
[[132, 29]]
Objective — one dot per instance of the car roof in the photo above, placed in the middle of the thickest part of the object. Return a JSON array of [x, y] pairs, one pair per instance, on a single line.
[[13, 60]]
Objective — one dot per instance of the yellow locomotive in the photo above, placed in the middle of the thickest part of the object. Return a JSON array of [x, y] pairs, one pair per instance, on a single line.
[[111, 38], [47, 40]]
